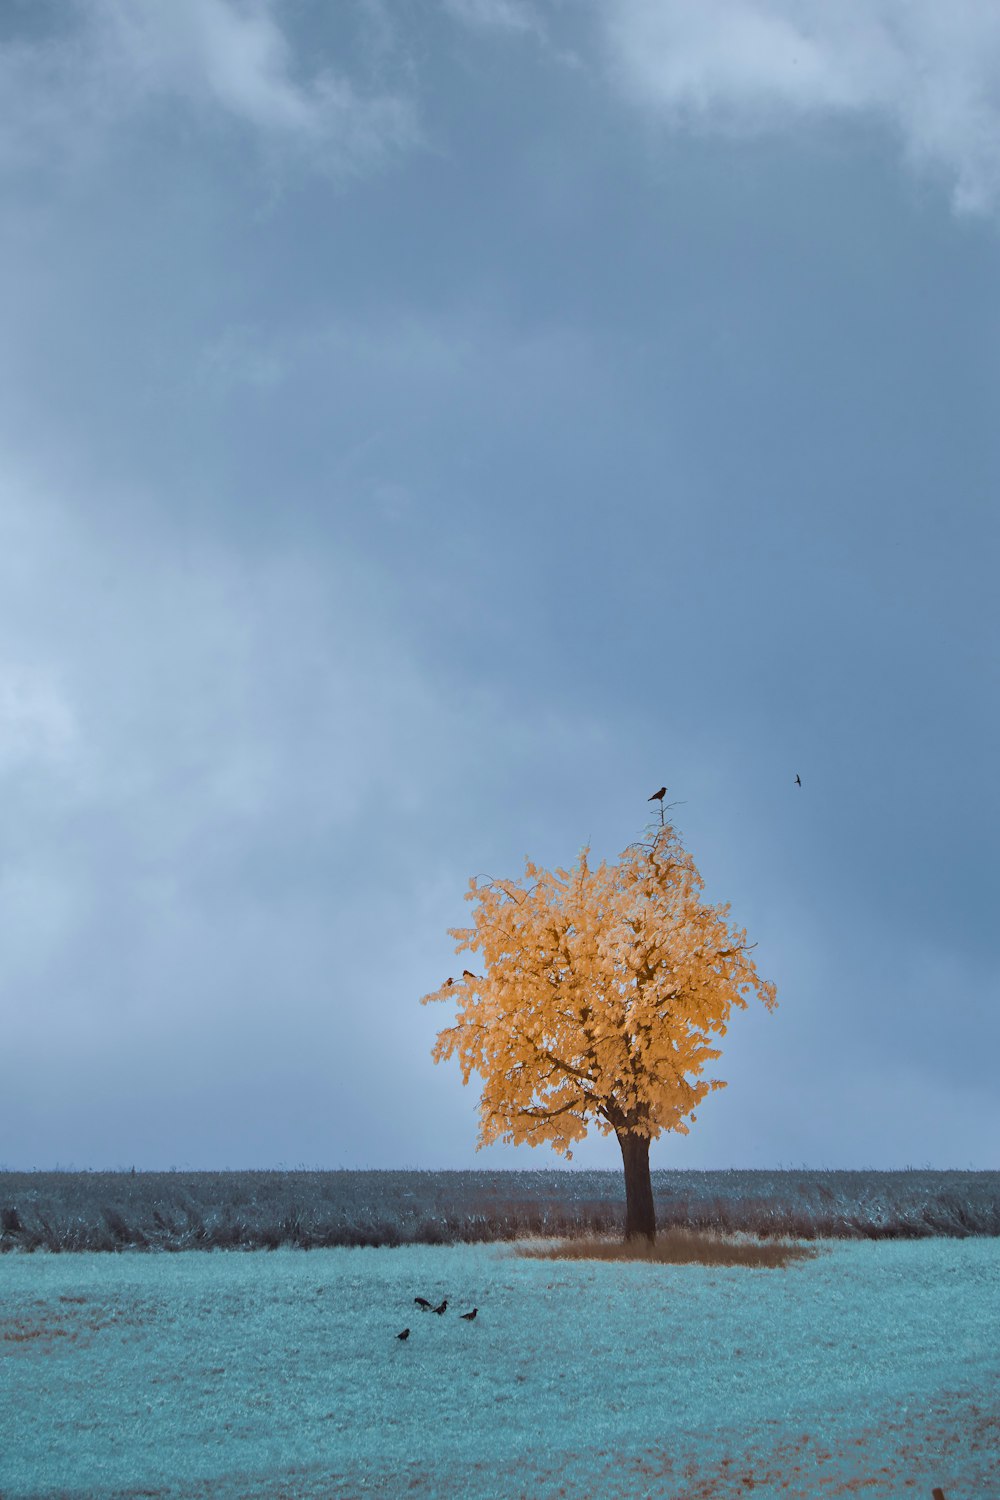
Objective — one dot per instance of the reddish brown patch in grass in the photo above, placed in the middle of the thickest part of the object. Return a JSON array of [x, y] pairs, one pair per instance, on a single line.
[[41, 1330], [898, 1456], [32, 1331]]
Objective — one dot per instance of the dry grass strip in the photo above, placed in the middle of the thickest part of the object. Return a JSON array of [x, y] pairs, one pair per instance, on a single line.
[[675, 1247]]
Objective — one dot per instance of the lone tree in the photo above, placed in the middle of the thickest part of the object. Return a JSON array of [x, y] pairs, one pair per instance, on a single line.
[[601, 993]]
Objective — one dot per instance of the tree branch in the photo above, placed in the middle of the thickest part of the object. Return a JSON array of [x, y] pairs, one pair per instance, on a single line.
[[550, 1114], [573, 1072], [494, 881], [557, 1062]]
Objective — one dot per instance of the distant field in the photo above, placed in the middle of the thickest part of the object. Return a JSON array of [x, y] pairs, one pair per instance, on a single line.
[[67, 1211]]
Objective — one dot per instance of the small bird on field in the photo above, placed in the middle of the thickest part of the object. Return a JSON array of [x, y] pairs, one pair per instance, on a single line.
[[658, 796], [404, 1335], [440, 1309], [798, 781], [469, 1316], [423, 1302]]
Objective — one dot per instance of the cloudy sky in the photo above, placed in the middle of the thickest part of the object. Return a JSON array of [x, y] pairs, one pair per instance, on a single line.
[[426, 429]]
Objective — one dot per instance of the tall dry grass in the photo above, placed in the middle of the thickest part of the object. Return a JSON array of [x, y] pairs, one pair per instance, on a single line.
[[167, 1211]]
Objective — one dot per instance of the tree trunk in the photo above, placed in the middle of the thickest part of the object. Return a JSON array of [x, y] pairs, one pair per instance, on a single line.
[[640, 1215]]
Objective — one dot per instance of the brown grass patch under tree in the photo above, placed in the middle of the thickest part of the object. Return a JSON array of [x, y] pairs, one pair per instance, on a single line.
[[675, 1247]]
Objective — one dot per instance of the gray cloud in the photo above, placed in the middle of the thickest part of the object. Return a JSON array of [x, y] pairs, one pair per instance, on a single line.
[[383, 538], [217, 767]]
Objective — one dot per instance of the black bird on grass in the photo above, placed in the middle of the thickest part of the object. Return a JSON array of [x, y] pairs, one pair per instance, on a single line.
[[798, 780], [423, 1302], [658, 796], [469, 1316], [404, 1335], [440, 1310]]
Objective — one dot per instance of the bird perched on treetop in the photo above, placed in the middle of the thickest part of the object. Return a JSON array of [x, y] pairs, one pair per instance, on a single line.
[[658, 796], [467, 974], [798, 781]]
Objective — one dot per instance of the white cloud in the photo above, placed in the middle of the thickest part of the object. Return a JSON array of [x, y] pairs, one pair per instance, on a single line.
[[37, 724], [242, 355], [225, 60], [502, 15], [930, 72]]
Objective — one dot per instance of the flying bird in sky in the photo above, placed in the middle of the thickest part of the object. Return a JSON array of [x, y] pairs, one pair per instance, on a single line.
[[658, 796], [798, 781]]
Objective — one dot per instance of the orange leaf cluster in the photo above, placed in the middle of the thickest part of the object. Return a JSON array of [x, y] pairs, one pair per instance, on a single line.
[[601, 994]]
